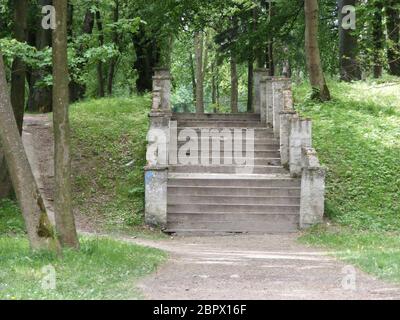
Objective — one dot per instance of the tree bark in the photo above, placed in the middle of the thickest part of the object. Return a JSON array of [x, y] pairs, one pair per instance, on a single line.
[[199, 49], [113, 62], [313, 56], [250, 85], [17, 90], [270, 44], [40, 97], [377, 34], [100, 73], [65, 223], [193, 76], [77, 90], [39, 229], [349, 67], [234, 85], [393, 31]]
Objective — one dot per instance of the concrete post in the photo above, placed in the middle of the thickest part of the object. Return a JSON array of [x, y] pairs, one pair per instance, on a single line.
[[258, 75], [156, 171], [263, 99], [300, 136], [278, 86], [285, 122], [269, 101], [312, 190]]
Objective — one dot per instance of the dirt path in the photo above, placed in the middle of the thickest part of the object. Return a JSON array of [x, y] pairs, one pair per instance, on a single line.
[[231, 267]]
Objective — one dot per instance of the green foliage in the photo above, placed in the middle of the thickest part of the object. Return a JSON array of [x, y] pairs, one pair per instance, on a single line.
[[11, 222], [357, 136]]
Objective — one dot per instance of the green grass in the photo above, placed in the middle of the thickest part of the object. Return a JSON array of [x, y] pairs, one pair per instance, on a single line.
[[357, 136], [109, 146], [101, 269]]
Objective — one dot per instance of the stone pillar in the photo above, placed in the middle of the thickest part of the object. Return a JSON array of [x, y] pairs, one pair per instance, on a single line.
[[285, 122], [263, 99], [269, 101], [300, 136], [156, 171], [259, 74], [312, 190], [278, 86]]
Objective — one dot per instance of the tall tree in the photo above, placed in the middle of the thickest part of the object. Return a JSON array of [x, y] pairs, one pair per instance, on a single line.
[[393, 32], [377, 35], [39, 229], [100, 71], [313, 56], [40, 96], [65, 223], [234, 84], [115, 39], [349, 67], [199, 51], [17, 89]]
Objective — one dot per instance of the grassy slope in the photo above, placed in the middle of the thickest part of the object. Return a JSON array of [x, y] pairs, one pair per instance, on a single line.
[[357, 136], [102, 269], [109, 143]]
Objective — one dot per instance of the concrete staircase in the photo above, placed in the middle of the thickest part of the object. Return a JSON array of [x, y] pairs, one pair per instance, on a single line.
[[215, 199]]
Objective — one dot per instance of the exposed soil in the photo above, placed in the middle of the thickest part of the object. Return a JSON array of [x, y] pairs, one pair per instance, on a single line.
[[230, 267]]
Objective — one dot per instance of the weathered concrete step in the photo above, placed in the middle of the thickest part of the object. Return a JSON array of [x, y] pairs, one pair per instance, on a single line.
[[258, 133], [216, 116], [228, 180], [221, 124], [233, 191], [232, 169], [257, 146], [231, 200], [269, 223], [233, 208], [204, 161], [203, 153]]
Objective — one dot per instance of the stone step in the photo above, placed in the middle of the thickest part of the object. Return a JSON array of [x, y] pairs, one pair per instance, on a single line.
[[230, 169], [258, 132], [218, 116], [233, 208], [247, 223], [231, 200], [258, 146], [233, 191], [213, 154], [221, 124], [228, 180], [215, 161]]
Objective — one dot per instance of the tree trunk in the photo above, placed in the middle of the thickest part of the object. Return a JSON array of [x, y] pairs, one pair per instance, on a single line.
[[270, 44], [100, 73], [113, 62], [349, 67], [65, 223], [234, 85], [199, 49], [77, 90], [193, 74], [39, 229], [377, 34], [17, 90], [214, 72], [317, 79], [40, 97], [393, 31], [250, 85]]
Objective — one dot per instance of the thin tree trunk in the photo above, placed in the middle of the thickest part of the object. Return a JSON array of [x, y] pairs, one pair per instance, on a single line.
[[199, 50], [214, 71], [40, 97], [349, 67], [65, 223], [113, 62], [193, 74], [317, 79], [250, 85], [377, 34], [393, 31], [77, 90], [39, 229], [270, 44], [234, 85], [17, 90], [100, 73]]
